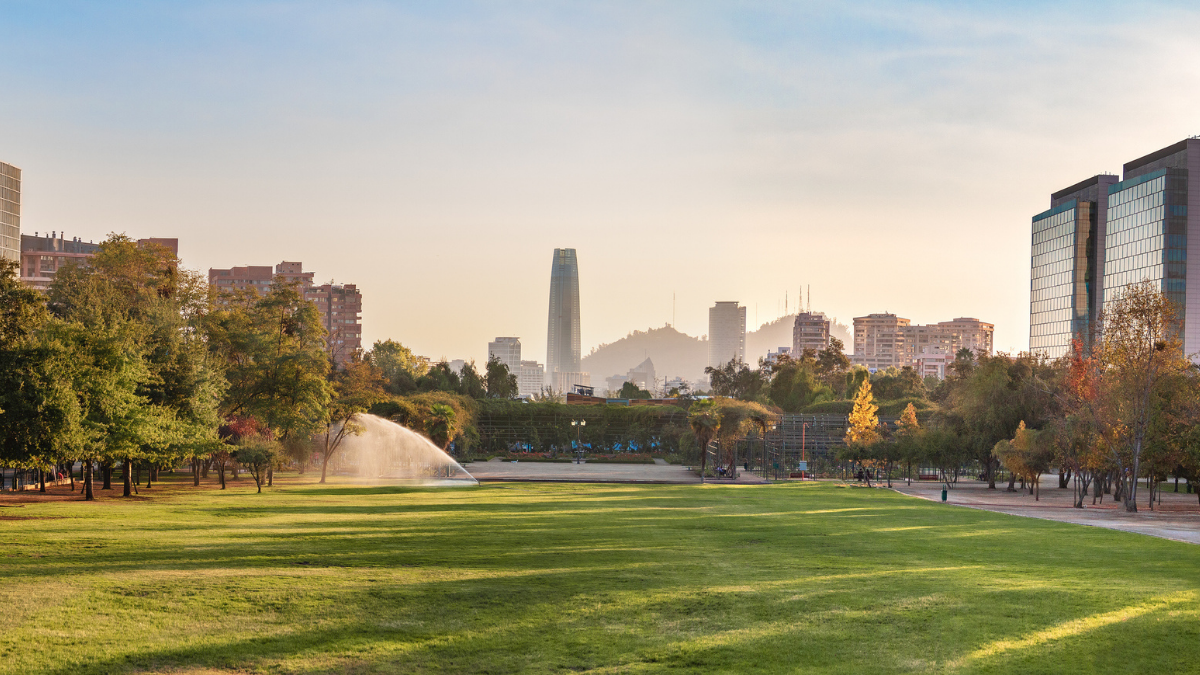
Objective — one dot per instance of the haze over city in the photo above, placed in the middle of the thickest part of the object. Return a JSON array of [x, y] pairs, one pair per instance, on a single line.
[[888, 155]]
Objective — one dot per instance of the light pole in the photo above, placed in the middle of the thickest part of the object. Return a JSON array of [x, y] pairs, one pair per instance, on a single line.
[[579, 425], [804, 447]]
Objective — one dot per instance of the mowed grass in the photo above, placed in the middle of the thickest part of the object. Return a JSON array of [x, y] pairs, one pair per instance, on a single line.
[[595, 578]]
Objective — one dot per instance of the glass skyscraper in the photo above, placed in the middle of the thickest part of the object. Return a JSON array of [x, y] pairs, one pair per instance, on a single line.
[[1139, 231], [10, 213], [562, 334], [1066, 263]]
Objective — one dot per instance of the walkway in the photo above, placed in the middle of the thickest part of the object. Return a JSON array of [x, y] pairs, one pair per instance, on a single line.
[[1179, 519]]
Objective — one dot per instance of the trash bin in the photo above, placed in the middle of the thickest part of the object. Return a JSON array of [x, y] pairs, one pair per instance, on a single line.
[[943, 494], [746, 465]]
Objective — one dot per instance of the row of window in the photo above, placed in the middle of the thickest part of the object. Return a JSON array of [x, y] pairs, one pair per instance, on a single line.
[[1059, 225], [1037, 294], [1051, 280], [1150, 262], [1151, 203], [1059, 302], [1048, 268], [1051, 316], [1121, 196], [1133, 248]]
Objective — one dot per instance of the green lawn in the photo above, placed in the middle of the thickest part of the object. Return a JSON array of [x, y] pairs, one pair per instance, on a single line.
[[600, 578]]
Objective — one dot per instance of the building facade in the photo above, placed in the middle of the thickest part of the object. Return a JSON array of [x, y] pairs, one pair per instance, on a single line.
[[879, 341], [339, 305], [563, 382], [42, 256], [885, 340], [562, 329], [531, 379], [508, 351], [1066, 265], [810, 331], [726, 333], [10, 213], [1101, 235]]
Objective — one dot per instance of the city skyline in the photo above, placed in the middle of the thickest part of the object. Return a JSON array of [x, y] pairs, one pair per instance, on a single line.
[[691, 153]]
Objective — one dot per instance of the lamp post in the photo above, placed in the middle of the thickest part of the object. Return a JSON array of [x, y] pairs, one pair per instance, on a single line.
[[579, 424], [804, 447]]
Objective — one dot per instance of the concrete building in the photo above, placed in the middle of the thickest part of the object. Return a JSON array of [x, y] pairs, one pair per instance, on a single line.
[[810, 331], [933, 362], [42, 256], [339, 305], [508, 351], [10, 213], [531, 378], [885, 340], [773, 355], [879, 341], [613, 384], [726, 333], [1100, 235], [562, 325]]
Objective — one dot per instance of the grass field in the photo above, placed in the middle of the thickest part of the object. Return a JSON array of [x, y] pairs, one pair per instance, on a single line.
[[596, 578]]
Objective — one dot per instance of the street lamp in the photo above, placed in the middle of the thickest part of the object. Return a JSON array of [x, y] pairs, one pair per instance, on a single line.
[[579, 425]]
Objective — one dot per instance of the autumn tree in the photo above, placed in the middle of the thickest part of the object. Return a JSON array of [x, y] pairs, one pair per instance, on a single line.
[[356, 388]]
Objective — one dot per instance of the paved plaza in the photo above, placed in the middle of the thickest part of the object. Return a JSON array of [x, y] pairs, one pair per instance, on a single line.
[[1178, 517]]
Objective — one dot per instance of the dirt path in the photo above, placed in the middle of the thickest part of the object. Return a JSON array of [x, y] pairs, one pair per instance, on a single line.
[[1178, 517]]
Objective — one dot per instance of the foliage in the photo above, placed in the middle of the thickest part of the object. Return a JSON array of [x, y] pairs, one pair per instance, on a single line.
[[498, 382], [399, 367], [630, 390], [863, 424], [735, 379], [795, 384], [257, 454], [704, 418]]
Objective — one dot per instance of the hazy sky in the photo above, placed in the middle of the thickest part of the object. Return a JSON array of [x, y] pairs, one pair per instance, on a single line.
[[890, 155]]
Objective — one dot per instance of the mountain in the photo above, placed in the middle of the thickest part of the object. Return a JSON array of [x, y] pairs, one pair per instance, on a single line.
[[677, 354], [674, 354]]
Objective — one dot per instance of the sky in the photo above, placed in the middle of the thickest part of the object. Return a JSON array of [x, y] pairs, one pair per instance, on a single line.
[[887, 155]]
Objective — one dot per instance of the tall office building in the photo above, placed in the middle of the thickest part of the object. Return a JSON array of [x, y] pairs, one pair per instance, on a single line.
[[508, 351], [1066, 265], [810, 331], [10, 213], [726, 333], [562, 333], [1101, 235]]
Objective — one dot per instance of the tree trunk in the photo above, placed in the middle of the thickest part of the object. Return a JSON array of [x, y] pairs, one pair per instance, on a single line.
[[106, 472], [270, 477], [41, 479], [1064, 477], [87, 481], [71, 473], [204, 467], [127, 477], [221, 473], [195, 472], [1012, 482], [324, 465], [991, 473], [149, 476]]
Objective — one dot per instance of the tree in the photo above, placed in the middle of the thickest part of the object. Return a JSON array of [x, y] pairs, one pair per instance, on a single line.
[[499, 382], [400, 367], [1028, 454], [1140, 352], [705, 420], [863, 424], [795, 384], [908, 439], [257, 454], [443, 425], [735, 380], [630, 390], [832, 364], [277, 366]]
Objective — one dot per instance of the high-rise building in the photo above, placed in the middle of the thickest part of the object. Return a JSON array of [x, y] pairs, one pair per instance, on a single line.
[[1066, 265], [726, 333], [1100, 236], [339, 305], [810, 331], [562, 332], [879, 341], [10, 213], [508, 351]]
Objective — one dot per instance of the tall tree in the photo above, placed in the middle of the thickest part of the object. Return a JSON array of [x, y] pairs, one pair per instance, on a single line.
[[400, 367], [1140, 352], [498, 381], [863, 425], [705, 420]]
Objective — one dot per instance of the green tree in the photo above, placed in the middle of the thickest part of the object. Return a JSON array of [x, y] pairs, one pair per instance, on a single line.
[[400, 367], [735, 379], [832, 364], [630, 390], [257, 454], [499, 382]]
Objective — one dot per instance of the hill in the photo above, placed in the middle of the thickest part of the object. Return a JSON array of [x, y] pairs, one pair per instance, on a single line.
[[673, 353]]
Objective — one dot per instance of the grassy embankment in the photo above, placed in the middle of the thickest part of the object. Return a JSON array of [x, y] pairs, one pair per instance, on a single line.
[[547, 578]]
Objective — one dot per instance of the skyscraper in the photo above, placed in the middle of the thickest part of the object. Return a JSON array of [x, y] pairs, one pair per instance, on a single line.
[[562, 333], [10, 213], [726, 333], [1100, 236]]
